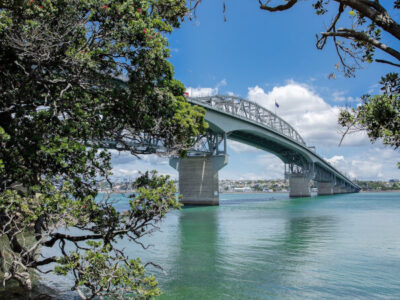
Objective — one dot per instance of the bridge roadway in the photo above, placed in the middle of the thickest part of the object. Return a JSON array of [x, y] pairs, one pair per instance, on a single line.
[[249, 123]]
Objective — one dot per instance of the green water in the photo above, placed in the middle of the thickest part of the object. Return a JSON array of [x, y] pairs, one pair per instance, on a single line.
[[258, 246], [267, 246]]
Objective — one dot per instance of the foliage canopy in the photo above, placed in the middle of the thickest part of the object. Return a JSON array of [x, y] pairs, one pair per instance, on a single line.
[[73, 74]]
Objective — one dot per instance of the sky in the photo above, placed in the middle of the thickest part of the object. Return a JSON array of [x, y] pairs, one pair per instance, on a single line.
[[266, 57]]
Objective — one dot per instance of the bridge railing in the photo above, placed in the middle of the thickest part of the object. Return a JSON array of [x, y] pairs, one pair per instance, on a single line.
[[250, 111]]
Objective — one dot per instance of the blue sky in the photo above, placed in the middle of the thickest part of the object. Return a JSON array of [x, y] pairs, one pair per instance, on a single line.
[[265, 56]]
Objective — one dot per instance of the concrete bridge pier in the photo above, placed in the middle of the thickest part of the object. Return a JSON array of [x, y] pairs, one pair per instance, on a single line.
[[337, 189], [198, 178], [346, 189], [299, 185], [340, 189], [325, 188]]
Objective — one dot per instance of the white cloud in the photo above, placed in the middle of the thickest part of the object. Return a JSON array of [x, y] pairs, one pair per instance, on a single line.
[[201, 92], [240, 147], [376, 163], [205, 91], [335, 160], [154, 159], [221, 83], [124, 157], [352, 99], [272, 164], [374, 89], [121, 172], [339, 96], [260, 167], [125, 164], [307, 112]]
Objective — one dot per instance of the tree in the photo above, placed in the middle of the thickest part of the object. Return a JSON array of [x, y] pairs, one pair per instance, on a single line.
[[379, 115], [395, 186], [75, 75]]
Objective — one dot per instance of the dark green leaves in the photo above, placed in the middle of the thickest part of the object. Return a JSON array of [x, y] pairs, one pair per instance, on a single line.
[[75, 73], [379, 115]]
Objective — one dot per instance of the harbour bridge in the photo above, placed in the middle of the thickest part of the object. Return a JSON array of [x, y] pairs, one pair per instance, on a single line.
[[246, 122]]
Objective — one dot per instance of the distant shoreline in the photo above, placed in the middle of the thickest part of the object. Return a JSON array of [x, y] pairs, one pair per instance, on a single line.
[[251, 192], [386, 191], [117, 192], [257, 192], [267, 193]]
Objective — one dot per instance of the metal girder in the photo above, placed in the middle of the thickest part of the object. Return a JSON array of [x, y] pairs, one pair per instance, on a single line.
[[251, 111], [211, 143], [297, 164], [141, 144], [299, 167], [322, 175]]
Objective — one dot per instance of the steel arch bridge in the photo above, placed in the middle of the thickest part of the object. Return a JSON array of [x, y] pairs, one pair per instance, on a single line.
[[244, 121]]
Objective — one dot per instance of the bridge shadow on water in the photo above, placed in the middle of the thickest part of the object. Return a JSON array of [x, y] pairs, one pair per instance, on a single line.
[[197, 259], [251, 248]]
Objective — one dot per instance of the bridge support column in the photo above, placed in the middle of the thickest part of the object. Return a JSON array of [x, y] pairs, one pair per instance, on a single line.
[[325, 188], [299, 185], [347, 189], [336, 189], [198, 178], [339, 189]]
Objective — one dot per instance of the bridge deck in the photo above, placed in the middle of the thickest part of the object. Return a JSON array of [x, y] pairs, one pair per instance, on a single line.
[[242, 110]]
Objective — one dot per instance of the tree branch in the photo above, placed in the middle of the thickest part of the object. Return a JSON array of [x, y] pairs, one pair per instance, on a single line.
[[361, 36], [57, 236], [322, 41], [376, 13], [383, 61], [44, 262], [282, 7]]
